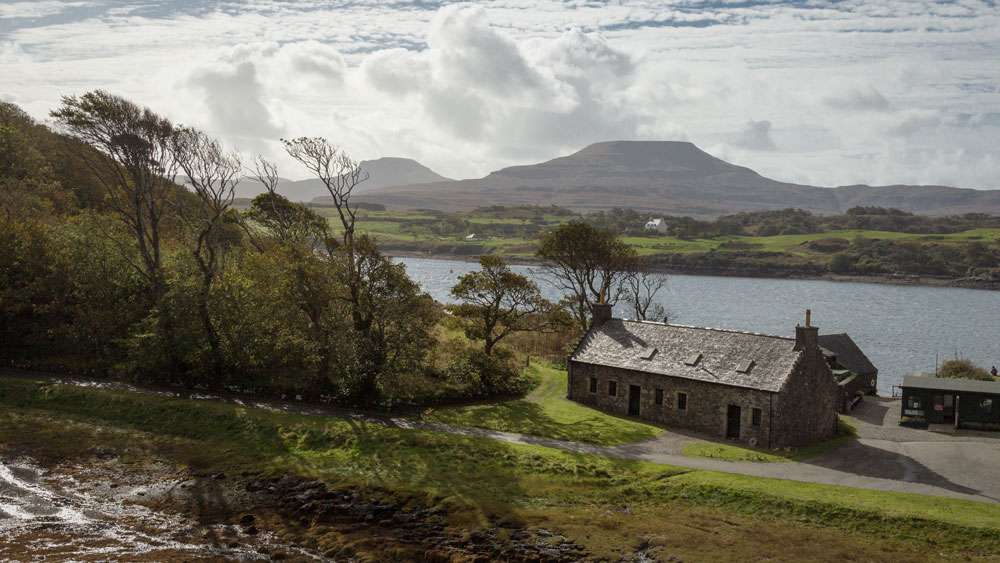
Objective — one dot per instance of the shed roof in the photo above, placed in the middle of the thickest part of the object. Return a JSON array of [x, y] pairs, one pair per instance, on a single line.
[[948, 384], [620, 343], [847, 352]]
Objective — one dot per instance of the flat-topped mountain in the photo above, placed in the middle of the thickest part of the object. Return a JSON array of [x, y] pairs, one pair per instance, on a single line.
[[668, 177], [383, 172]]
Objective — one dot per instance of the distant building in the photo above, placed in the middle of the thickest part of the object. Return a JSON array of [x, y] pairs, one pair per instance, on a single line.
[[758, 389], [474, 238], [656, 225], [853, 370]]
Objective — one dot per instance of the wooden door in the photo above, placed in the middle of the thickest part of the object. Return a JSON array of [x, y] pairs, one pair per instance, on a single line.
[[733, 422], [634, 393]]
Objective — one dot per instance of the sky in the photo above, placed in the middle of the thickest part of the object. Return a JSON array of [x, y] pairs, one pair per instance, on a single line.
[[822, 92]]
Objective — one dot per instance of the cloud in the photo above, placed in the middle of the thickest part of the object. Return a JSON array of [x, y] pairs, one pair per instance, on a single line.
[[234, 97], [859, 99], [11, 52], [397, 72], [911, 123], [36, 9], [476, 84], [756, 136], [862, 90], [307, 64]]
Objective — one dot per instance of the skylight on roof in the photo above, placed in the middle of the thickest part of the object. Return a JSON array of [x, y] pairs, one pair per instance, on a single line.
[[745, 366], [648, 353], [693, 359]]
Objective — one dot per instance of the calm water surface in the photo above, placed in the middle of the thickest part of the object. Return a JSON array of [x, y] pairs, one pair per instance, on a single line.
[[900, 328]]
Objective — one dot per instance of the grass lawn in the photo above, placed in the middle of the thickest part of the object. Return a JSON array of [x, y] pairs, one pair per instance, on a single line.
[[611, 507], [845, 432], [547, 413]]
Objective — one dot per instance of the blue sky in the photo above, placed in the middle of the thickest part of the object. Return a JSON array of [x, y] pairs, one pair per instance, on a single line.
[[821, 92]]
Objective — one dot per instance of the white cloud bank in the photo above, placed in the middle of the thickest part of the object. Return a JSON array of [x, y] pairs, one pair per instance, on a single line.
[[823, 93]]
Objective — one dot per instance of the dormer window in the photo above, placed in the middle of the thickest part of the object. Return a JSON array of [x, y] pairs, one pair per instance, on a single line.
[[693, 359], [745, 366], [648, 353]]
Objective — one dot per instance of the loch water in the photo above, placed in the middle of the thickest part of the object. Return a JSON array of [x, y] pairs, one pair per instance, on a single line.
[[900, 328]]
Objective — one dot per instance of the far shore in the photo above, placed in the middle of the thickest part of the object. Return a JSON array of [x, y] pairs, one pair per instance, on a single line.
[[889, 279]]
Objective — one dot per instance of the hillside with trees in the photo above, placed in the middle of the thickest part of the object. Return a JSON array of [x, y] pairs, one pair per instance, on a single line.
[[109, 266]]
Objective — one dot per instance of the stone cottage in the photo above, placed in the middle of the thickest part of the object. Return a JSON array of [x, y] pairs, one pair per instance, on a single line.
[[762, 390]]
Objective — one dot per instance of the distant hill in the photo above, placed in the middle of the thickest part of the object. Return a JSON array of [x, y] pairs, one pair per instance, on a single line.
[[668, 177], [383, 172]]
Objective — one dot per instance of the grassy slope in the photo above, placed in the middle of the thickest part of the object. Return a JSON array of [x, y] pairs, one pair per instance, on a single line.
[[546, 412], [610, 506]]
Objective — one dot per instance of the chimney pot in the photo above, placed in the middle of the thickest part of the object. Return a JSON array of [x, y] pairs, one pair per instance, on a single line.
[[806, 336]]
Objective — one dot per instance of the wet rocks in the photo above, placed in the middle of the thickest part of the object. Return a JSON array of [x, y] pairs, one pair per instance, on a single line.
[[415, 528]]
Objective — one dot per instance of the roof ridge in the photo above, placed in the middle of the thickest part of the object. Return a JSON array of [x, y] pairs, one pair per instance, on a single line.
[[732, 330]]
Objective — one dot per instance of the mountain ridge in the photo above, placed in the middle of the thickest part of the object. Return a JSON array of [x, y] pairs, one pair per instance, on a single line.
[[669, 177], [383, 172]]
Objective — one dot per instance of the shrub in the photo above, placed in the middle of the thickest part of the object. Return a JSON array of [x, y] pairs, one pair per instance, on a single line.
[[496, 374], [963, 369], [913, 421], [829, 245]]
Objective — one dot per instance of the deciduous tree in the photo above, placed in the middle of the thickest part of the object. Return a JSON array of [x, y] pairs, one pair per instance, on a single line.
[[213, 174], [496, 302], [586, 263]]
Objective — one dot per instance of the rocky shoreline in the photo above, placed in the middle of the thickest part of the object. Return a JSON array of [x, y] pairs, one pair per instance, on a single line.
[[153, 511]]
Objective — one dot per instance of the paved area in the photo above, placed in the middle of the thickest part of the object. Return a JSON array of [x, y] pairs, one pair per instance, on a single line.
[[878, 418], [885, 457]]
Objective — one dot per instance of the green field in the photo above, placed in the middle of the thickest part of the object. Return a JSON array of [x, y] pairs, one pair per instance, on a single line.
[[608, 506], [410, 226]]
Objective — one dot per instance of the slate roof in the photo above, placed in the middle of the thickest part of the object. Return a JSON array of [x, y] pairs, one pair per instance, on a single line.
[[847, 352], [620, 343], [912, 381]]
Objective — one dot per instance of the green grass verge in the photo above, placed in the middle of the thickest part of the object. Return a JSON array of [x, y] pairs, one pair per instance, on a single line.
[[711, 450], [485, 477], [547, 413]]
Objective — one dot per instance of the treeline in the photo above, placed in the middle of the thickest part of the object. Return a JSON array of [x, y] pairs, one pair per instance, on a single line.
[[527, 221], [800, 222], [109, 265]]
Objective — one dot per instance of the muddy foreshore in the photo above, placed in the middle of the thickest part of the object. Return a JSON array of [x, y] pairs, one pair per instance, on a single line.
[[116, 507]]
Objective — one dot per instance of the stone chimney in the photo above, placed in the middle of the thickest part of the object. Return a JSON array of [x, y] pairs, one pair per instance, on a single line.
[[601, 312], [806, 337]]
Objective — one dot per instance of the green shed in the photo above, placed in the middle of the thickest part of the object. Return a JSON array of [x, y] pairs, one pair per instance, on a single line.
[[951, 401]]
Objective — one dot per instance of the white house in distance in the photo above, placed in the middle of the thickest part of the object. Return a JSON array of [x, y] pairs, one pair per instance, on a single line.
[[658, 225]]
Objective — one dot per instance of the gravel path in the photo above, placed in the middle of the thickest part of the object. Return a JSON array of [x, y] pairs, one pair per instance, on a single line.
[[964, 466]]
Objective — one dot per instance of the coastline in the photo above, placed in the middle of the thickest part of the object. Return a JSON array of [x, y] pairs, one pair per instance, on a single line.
[[887, 279]]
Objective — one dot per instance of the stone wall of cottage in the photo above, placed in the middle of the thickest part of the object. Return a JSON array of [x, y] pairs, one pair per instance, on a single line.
[[707, 403], [805, 410]]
